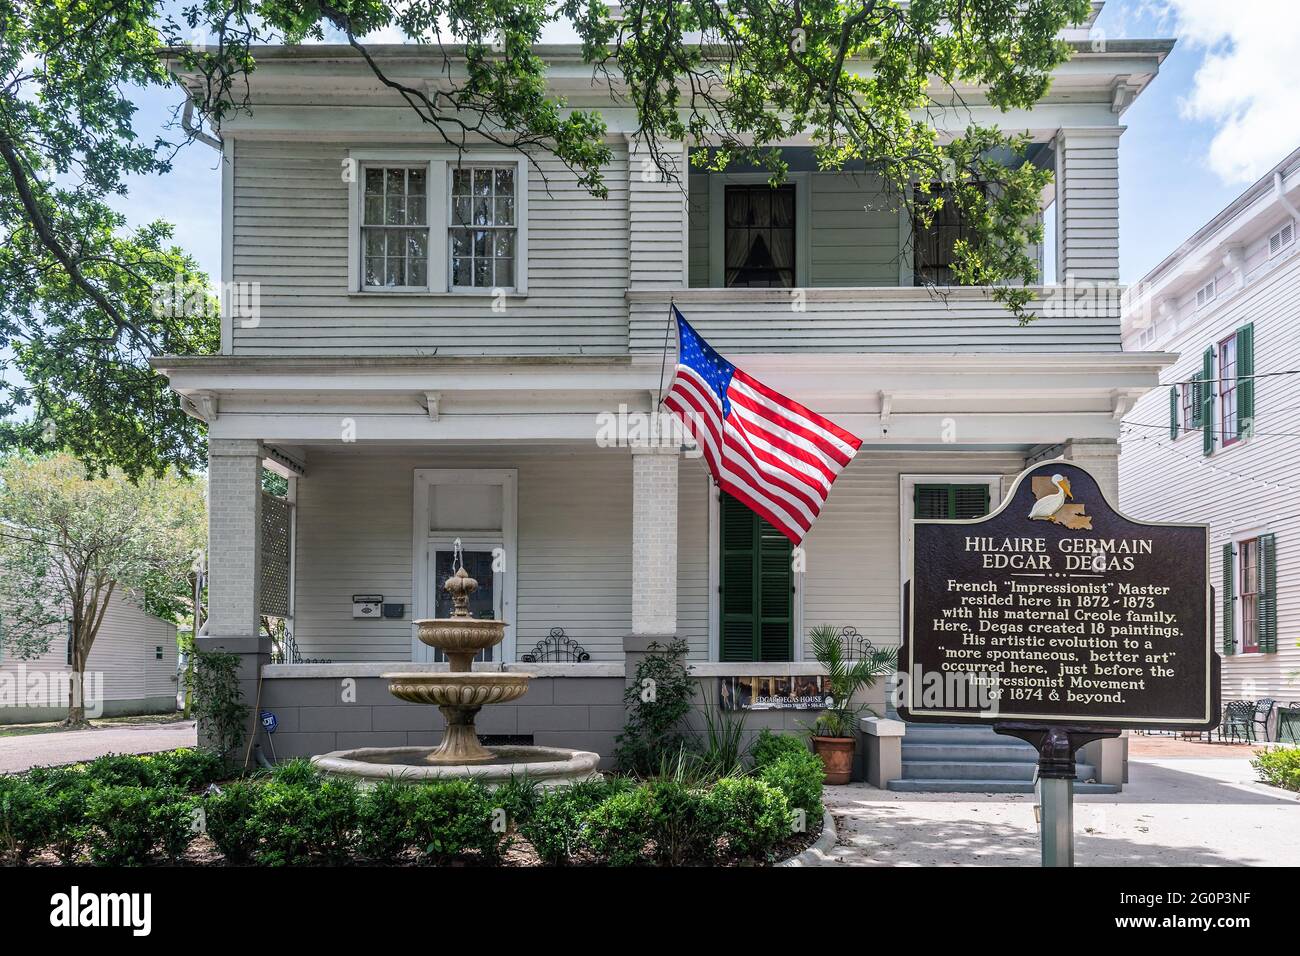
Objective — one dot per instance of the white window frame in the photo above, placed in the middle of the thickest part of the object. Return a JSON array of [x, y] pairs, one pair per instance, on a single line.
[[718, 183], [422, 538], [438, 192], [1238, 623], [715, 582]]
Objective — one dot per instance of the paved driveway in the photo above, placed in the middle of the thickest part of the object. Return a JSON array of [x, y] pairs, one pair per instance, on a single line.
[[73, 746], [1173, 812]]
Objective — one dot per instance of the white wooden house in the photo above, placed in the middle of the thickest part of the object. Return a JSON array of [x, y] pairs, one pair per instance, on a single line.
[[131, 670], [1218, 442], [458, 392]]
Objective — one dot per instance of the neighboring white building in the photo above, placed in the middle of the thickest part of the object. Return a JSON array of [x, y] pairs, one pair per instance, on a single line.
[[1227, 301], [463, 400], [131, 670]]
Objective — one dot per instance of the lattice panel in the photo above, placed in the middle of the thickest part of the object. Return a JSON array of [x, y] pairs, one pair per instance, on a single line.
[[277, 526]]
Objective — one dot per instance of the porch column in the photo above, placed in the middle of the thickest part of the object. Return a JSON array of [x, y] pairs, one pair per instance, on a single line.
[[654, 554], [1087, 204], [234, 561]]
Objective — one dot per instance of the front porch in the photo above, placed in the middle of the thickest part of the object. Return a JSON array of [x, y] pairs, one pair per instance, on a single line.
[[614, 538]]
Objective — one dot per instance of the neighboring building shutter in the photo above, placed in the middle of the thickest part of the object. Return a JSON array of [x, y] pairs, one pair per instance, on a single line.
[[1173, 412], [1207, 402], [1246, 380], [1198, 399], [757, 587], [1267, 614], [950, 501], [1227, 598]]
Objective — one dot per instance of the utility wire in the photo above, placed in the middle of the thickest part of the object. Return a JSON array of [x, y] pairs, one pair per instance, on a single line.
[[1205, 463]]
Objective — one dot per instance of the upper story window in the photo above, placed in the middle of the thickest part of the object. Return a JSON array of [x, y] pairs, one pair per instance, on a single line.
[[423, 222], [1191, 403], [934, 246], [483, 227], [395, 227], [1228, 390], [760, 236]]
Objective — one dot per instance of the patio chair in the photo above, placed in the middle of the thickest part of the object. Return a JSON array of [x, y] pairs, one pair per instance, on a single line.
[[1238, 721], [1263, 708]]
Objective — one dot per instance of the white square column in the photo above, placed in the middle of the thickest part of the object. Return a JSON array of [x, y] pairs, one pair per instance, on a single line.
[[234, 532], [654, 542]]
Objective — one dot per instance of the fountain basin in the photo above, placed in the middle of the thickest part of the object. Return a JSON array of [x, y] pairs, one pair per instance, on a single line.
[[458, 690], [547, 766]]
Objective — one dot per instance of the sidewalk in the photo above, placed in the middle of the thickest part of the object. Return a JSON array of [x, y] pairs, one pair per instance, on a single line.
[[1175, 811]]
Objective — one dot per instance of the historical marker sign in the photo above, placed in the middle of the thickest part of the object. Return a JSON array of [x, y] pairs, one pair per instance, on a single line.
[[1056, 609]]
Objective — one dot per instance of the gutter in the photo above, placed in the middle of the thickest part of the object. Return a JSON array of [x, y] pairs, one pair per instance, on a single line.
[[1279, 192], [194, 132]]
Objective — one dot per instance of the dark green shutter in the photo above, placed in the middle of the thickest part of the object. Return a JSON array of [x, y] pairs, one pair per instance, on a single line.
[[1266, 615], [1227, 596], [1207, 402], [950, 501], [757, 587], [1246, 380], [1173, 412], [1198, 399]]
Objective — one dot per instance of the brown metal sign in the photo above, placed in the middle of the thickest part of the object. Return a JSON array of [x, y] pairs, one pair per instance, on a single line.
[[1057, 609]]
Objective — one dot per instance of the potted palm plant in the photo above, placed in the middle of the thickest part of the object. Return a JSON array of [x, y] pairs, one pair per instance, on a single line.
[[833, 733]]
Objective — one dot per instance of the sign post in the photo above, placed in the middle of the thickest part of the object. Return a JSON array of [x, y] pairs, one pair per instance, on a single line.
[[1060, 621]]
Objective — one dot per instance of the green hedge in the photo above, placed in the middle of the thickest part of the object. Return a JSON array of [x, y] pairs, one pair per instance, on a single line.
[[125, 811]]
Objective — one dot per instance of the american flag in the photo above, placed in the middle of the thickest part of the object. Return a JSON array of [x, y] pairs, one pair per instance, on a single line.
[[764, 449]]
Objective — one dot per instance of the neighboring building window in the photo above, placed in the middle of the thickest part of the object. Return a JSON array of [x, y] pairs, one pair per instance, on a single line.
[[157, 652], [759, 241], [1248, 594], [482, 237], [934, 246], [1228, 390], [395, 227], [950, 501], [757, 600], [1191, 402]]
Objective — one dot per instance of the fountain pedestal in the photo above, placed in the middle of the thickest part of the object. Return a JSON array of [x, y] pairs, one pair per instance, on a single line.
[[459, 695]]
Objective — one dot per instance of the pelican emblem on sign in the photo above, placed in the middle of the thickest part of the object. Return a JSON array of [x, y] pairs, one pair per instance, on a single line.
[[1052, 494]]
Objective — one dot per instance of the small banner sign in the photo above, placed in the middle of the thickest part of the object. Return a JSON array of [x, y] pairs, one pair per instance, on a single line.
[[773, 693], [1056, 609]]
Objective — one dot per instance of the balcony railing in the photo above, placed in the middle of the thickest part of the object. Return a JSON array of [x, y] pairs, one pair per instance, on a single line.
[[1067, 318]]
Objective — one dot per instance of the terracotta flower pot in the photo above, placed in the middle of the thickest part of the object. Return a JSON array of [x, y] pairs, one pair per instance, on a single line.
[[837, 756]]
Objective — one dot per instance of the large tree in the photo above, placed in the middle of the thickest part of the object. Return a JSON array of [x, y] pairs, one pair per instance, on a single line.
[[859, 77], [70, 544]]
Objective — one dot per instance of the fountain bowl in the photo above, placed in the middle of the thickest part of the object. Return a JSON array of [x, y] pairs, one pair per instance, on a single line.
[[475, 689]]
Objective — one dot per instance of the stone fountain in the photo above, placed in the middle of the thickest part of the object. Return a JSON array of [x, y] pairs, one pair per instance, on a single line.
[[459, 694]]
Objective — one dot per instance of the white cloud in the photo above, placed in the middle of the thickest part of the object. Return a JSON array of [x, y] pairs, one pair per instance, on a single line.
[[1246, 82]]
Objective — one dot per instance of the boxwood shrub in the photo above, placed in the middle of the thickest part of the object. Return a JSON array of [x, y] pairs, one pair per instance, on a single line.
[[128, 824], [304, 822], [231, 821], [1280, 767], [769, 747], [799, 774], [752, 816]]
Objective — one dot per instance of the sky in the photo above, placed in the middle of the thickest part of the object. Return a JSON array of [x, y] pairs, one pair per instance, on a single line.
[[1220, 114]]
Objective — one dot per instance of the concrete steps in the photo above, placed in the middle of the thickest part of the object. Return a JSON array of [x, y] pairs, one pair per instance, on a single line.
[[953, 758]]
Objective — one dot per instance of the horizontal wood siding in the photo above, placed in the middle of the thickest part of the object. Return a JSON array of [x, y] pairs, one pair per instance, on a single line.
[[354, 535], [1168, 480], [1088, 197], [895, 320], [854, 231], [291, 237], [698, 237], [124, 652]]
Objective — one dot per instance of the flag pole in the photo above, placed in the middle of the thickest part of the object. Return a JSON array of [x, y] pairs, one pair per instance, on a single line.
[[663, 363]]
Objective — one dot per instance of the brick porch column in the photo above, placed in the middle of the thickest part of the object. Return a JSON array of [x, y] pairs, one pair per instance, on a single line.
[[654, 552], [234, 561]]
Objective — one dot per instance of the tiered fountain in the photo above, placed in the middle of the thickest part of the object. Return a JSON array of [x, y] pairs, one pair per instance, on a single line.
[[460, 694]]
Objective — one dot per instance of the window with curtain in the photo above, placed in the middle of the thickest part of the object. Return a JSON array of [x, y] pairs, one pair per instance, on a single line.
[[1248, 594], [933, 246], [1228, 390], [760, 238]]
